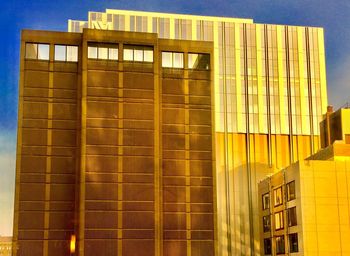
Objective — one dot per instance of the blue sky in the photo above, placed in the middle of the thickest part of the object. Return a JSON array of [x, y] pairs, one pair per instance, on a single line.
[[15, 15]]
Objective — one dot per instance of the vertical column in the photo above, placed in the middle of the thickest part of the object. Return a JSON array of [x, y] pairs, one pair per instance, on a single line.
[[240, 128], [280, 80], [323, 79]]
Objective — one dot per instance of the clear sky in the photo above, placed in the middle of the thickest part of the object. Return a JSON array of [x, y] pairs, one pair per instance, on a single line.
[[333, 15]]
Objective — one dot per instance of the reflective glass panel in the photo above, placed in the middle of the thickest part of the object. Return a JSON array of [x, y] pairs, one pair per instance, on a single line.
[[167, 60], [148, 55], [178, 60], [43, 51], [60, 52], [138, 55], [198, 61], [113, 54], [92, 52], [128, 54], [72, 53], [31, 51], [103, 53]]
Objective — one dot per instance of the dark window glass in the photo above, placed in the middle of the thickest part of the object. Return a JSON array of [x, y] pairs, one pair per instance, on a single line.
[[267, 246], [293, 242], [291, 191], [198, 61], [292, 216], [267, 223], [280, 249], [266, 201]]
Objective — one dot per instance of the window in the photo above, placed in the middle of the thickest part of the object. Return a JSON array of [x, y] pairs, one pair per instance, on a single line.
[[292, 216], [266, 201], [138, 53], [291, 191], [66, 53], [279, 220], [293, 242], [266, 223], [267, 246], [277, 194], [198, 61], [103, 52], [172, 60], [37, 51], [280, 245]]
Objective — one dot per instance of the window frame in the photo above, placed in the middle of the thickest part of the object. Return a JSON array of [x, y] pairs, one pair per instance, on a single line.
[[282, 243], [173, 58], [281, 220], [267, 252], [37, 51], [197, 53], [142, 48], [266, 219], [263, 202], [291, 247], [276, 203], [103, 46], [66, 53], [290, 224], [288, 186]]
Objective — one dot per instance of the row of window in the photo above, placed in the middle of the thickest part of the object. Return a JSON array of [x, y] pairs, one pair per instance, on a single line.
[[280, 244], [278, 196], [130, 53], [279, 220]]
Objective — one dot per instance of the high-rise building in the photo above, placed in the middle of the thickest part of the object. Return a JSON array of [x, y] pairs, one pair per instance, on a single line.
[[305, 208], [270, 94], [115, 151]]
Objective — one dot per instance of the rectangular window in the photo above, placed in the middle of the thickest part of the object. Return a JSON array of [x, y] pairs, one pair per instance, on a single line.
[[37, 51], [138, 53], [198, 61], [103, 52], [293, 242], [291, 191], [279, 224], [267, 246], [277, 194], [266, 201], [280, 248], [66, 53], [172, 60], [266, 223], [292, 216]]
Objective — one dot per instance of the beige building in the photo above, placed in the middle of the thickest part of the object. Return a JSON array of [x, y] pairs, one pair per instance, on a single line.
[[305, 208]]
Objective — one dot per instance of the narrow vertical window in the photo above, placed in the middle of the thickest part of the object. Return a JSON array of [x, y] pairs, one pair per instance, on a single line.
[[92, 52], [266, 223], [279, 222], [43, 52], [267, 246], [266, 201], [280, 247], [292, 216], [291, 191], [293, 242], [31, 51], [277, 193]]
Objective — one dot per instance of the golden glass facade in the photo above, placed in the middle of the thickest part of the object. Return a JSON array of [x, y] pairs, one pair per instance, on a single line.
[[270, 93]]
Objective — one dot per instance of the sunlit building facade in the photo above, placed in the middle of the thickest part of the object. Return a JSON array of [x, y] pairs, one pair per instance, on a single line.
[[270, 94]]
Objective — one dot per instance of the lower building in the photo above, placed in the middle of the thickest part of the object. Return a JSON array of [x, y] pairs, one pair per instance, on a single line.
[[305, 208], [5, 246], [115, 146]]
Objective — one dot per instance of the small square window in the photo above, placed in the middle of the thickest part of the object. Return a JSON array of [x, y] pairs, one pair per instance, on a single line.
[[148, 55], [92, 52], [43, 52], [102, 53], [167, 60], [31, 51], [128, 54], [72, 53], [178, 60], [60, 52], [138, 55], [113, 54]]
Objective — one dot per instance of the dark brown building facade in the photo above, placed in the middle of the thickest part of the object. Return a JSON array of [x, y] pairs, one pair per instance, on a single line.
[[115, 145]]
